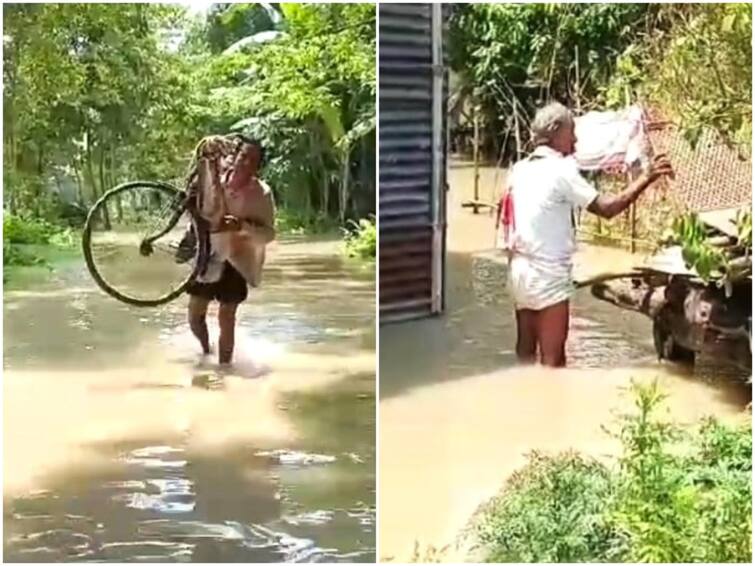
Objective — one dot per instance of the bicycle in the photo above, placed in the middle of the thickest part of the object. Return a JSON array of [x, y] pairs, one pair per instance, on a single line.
[[173, 204], [126, 207]]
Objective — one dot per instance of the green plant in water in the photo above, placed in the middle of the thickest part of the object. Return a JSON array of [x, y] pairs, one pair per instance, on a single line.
[[674, 496], [550, 511], [650, 508], [429, 554], [361, 238]]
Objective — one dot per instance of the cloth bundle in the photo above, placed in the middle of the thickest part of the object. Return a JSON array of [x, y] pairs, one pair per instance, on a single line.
[[218, 203], [612, 141]]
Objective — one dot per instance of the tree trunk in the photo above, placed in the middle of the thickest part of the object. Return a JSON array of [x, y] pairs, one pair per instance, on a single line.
[[88, 167], [10, 126], [627, 294], [103, 188], [344, 192], [110, 183], [325, 188], [40, 161], [79, 187], [92, 179]]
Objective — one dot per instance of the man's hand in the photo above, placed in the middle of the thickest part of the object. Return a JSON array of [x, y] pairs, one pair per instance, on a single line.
[[608, 206], [661, 166]]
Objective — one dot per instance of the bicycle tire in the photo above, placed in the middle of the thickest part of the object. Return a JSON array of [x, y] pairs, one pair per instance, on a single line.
[[86, 242]]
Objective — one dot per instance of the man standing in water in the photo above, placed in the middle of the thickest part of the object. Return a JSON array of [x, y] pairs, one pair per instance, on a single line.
[[544, 190], [221, 281]]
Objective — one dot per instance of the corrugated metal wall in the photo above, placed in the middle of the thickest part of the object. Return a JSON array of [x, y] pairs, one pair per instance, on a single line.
[[412, 161]]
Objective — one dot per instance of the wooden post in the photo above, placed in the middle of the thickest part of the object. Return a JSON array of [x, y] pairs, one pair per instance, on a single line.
[[516, 132], [633, 206], [476, 158], [633, 244], [578, 104], [599, 223], [576, 66]]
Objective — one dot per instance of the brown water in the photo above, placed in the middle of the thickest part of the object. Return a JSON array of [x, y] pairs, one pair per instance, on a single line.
[[457, 415], [122, 444]]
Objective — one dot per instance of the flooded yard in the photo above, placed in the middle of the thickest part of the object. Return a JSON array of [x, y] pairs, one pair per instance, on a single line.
[[457, 415], [123, 444]]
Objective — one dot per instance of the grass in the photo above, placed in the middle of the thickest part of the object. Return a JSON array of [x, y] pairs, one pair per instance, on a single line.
[[674, 495], [289, 221], [33, 243]]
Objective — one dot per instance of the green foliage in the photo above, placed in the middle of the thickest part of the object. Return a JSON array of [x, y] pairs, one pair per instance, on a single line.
[[717, 37], [296, 222], [709, 261], [228, 23], [361, 239], [98, 94], [675, 496], [550, 511], [691, 234], [682, 501], [24, 236], [743, 222], [514, 57], [650, 507], [19, 230], [93, 92], [309, 97], [17, 256]]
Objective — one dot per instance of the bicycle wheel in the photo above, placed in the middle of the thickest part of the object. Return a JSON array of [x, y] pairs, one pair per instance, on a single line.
[[131, 241]]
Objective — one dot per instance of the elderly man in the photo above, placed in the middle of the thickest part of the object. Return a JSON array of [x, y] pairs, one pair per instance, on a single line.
[[544, 190]]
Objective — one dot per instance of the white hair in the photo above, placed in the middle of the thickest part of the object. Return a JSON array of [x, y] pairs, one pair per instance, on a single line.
[[548, 120]]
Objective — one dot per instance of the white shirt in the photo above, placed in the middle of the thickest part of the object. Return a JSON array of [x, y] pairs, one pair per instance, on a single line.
[[546, 187]]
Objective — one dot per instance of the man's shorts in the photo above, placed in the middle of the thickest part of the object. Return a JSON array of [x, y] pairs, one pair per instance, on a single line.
[[231, 288]]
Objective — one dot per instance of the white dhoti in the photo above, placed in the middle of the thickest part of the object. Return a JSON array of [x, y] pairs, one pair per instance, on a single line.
[[535, 284]]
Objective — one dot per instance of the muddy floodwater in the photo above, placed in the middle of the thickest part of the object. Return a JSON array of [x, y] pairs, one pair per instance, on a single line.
[[457, 415], [122, 444]]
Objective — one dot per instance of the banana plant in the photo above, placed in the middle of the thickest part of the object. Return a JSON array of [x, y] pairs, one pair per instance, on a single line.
[[343, 142]]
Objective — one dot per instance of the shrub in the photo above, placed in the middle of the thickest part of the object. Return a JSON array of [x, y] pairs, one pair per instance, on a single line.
[[290, 221], [674, 496], [361, 238], [550, 511], [23, 230]]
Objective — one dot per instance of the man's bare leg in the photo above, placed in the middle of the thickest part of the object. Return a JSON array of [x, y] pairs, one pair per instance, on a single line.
[[552, 331], [227, 323], [198, 321], [526, 335]]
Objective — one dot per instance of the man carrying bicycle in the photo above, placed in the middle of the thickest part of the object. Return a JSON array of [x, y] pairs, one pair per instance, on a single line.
[[227, 181]]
